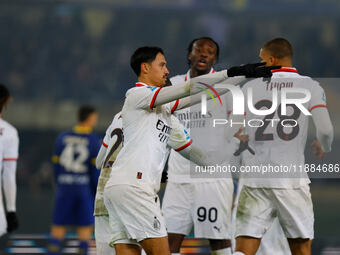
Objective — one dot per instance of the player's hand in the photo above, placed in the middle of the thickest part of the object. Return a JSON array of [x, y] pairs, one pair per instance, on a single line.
[[12, 221], [255, 70], [317, 149], [242, 138]]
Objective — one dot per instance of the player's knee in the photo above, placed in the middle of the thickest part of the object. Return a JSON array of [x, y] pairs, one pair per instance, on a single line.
[[218, 244]]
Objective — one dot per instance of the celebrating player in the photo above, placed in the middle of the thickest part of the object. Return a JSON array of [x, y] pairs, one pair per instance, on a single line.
[[187, 200], [76, 177], [130, 194], [283, 196], [9, 149]]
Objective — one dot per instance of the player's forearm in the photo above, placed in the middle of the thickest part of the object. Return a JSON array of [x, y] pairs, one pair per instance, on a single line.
[[324, 128], [9, 184], [192, 87], [100, 157], [219, 87]]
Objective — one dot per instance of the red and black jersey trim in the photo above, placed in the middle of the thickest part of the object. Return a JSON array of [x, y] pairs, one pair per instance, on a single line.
[[291, 70], [154, 98], [10, 159], [316, 106], [105, 145], [175, 106], [184, 146]]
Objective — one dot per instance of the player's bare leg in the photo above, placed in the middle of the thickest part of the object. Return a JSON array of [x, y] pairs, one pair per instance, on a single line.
[[156, 246], [300, 246], [58, 231], [247, 244], [175, 242], [84, 235], [220, 246], [127, 249]]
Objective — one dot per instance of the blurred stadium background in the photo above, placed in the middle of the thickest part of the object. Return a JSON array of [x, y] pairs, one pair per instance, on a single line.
[[56, 55]]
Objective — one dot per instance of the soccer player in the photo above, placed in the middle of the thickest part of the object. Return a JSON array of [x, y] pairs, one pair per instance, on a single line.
[[284, 196], [9, 150], [76, 177], [112, 144], [187, 199], [130, 194]]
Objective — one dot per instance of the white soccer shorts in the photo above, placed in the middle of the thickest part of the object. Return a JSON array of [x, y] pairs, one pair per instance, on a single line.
[[206, 206], [258, 207], [134, 214]]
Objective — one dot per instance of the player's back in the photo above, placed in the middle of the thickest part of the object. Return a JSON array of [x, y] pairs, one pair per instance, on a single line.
[[279, 139], [74, 157]]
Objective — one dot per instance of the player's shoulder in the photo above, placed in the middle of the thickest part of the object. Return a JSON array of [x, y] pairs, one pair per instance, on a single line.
[[177, 79], [116, 122], [8, 128]]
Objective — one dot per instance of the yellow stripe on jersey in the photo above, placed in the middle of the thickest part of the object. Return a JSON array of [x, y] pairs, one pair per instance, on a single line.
[[55, 159], [93, 161], [82, 129]]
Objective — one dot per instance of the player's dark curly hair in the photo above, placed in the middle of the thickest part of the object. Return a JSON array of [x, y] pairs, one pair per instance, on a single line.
[[143, 54], [85, 111], [4, 96], [191, 45]]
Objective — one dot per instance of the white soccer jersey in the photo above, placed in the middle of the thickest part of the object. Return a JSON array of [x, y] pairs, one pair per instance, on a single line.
[[146, 133], [275, 144], [11, 140], [113, 142], [193, 120]]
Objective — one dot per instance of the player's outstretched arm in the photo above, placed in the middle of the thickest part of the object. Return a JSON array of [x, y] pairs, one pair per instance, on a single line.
[[192, 87], [197, 98], [324, 127]]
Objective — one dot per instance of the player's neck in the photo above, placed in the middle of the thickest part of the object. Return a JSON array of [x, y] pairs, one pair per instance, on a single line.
[[146, 80], [194, 73], [284, 63]]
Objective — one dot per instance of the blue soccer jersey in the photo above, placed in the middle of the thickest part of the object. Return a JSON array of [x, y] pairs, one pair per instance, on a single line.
[[76, 176]]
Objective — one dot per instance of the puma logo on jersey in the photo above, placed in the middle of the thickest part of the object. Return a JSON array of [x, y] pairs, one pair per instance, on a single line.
[[218, 229]]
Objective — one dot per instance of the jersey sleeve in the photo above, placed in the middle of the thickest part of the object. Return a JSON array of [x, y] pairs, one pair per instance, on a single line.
[[11, 146], [318, 97], [179, 138], [116, 123], [143, 97]]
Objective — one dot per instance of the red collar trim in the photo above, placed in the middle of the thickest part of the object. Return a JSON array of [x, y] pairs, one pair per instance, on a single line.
[[291, 70], [140, 84]]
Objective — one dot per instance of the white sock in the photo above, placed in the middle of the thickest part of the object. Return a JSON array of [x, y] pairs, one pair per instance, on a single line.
[[238, 253], [175, 254], [225, 251]]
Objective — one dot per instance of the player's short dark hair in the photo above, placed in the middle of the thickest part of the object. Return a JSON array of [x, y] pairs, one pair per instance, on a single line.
[[279, 48], [191, 45], [4, 96], [85, 111], [143, 54]]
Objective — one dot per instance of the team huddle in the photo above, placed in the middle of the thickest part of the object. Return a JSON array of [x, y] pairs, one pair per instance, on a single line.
[[268, 215], [277, 210]]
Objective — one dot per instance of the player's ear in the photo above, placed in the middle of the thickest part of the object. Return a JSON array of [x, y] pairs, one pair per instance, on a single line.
[[144, 67]]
